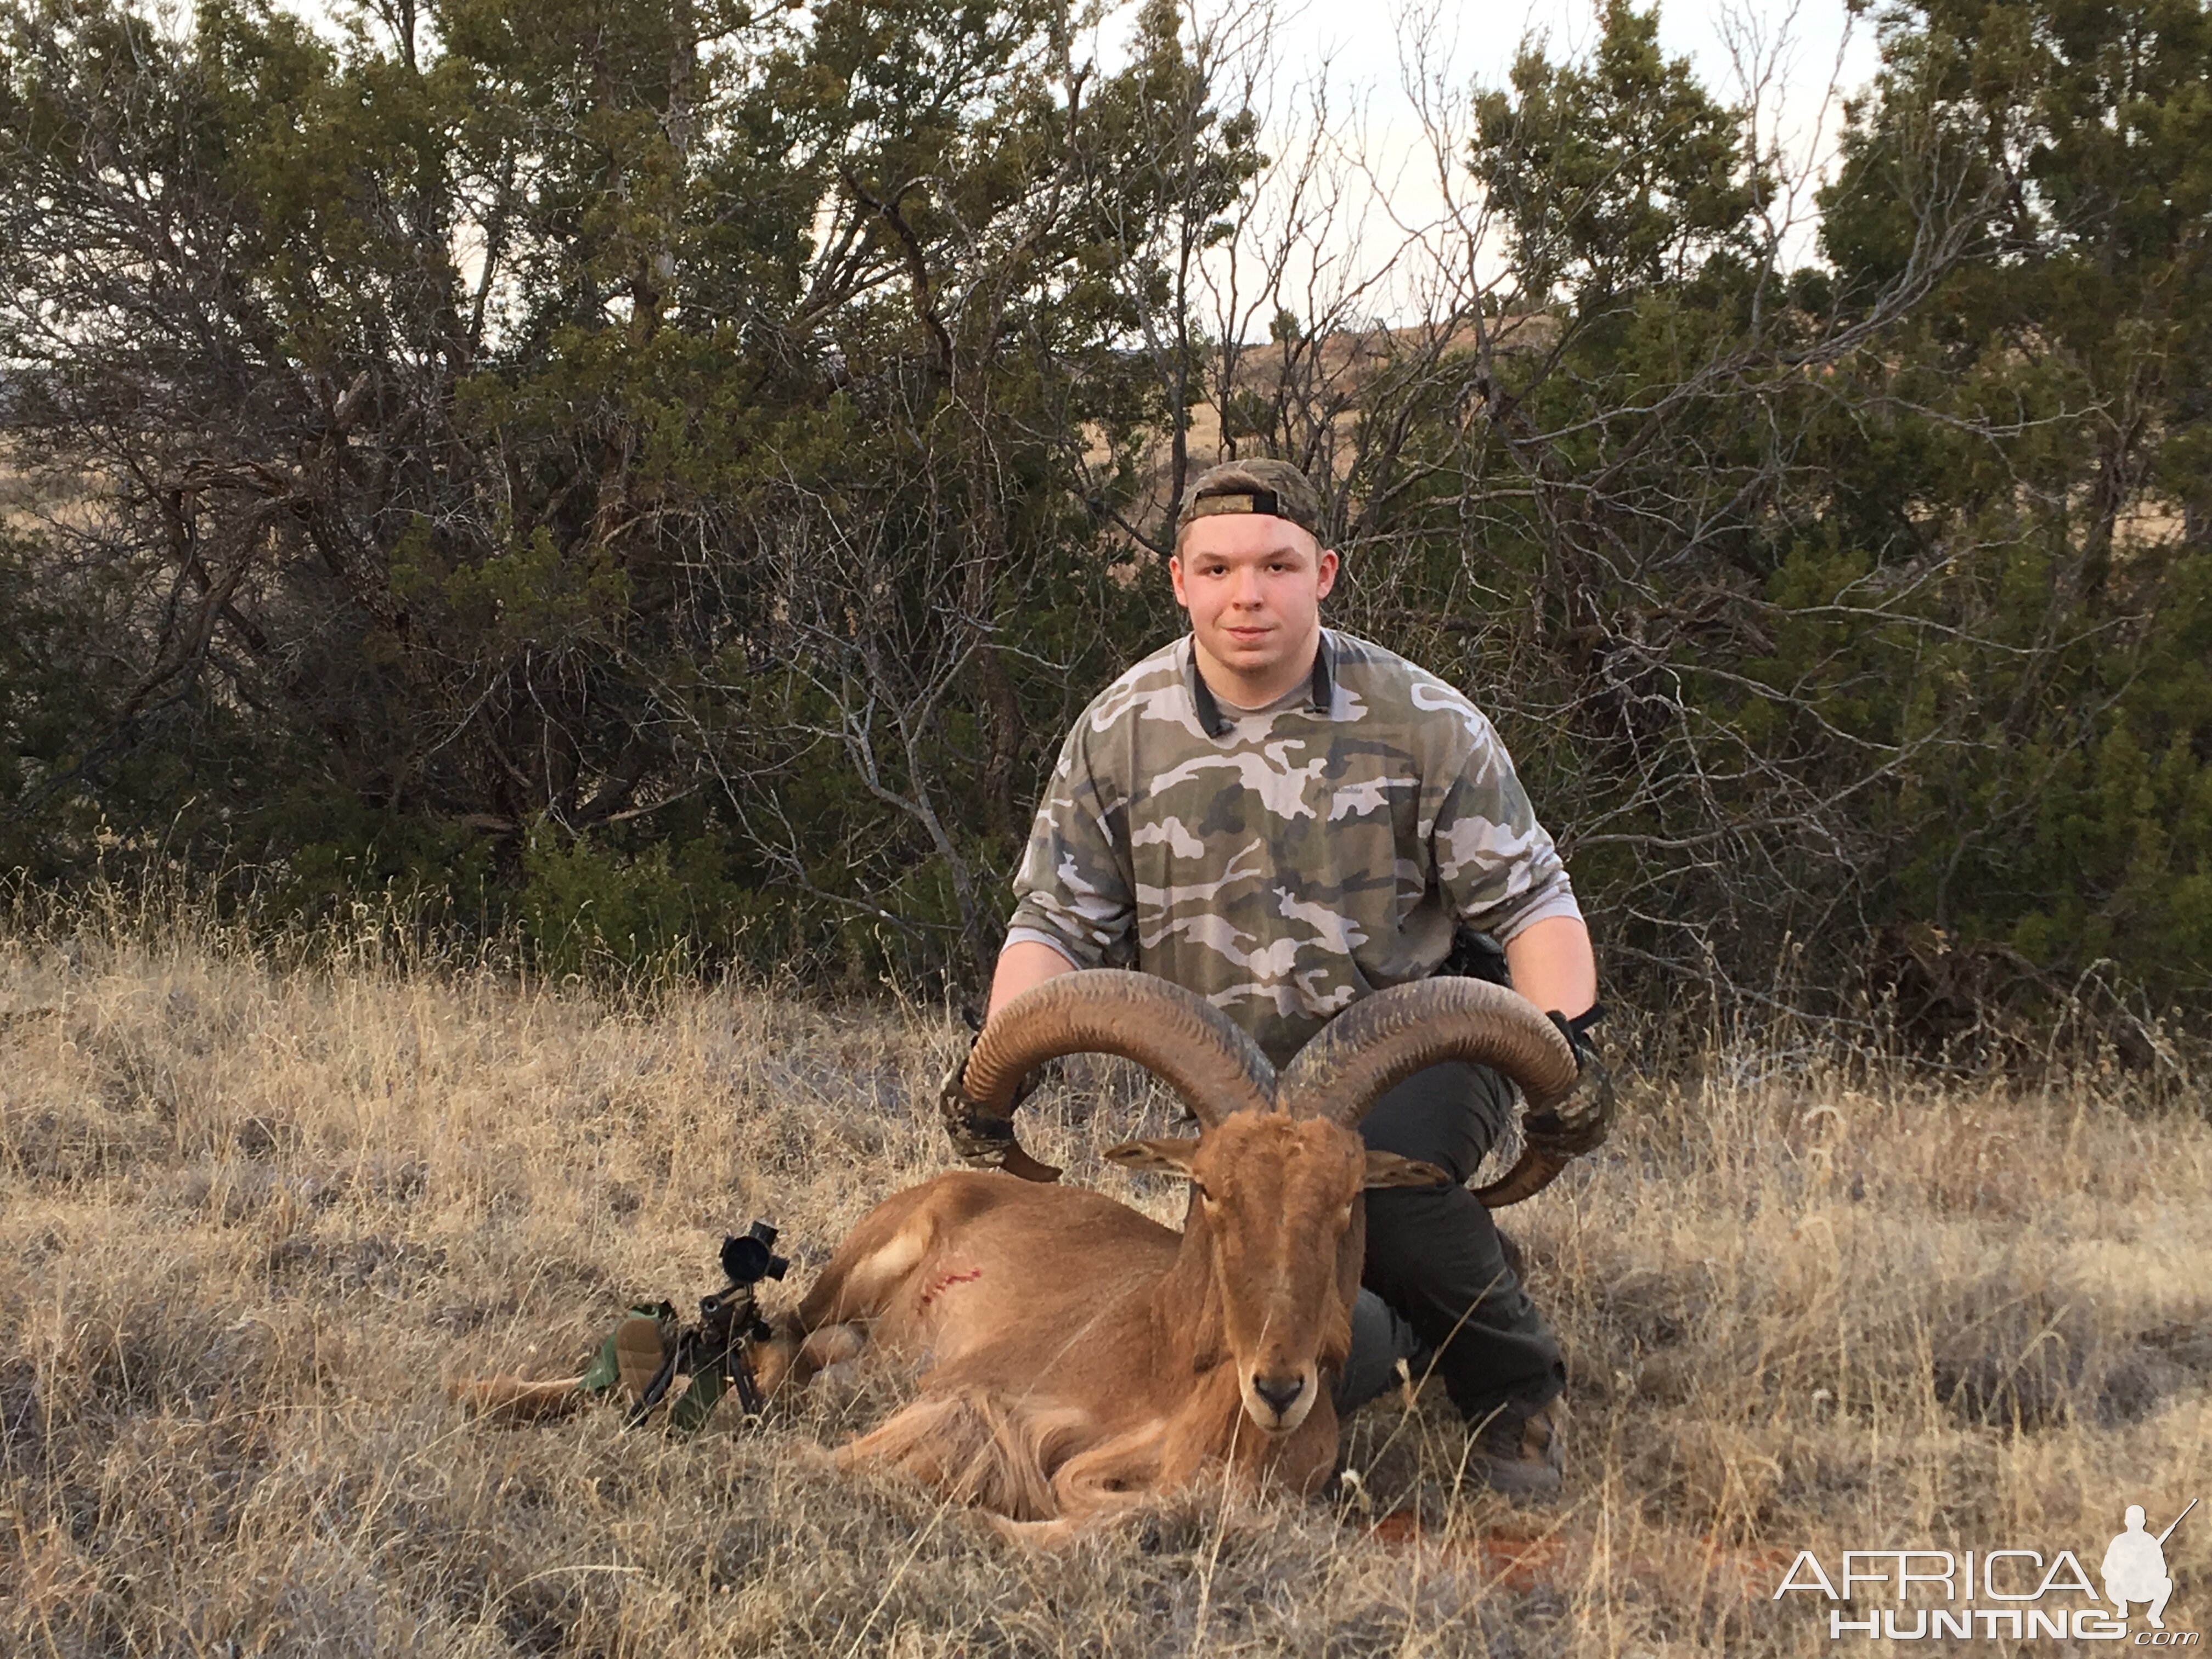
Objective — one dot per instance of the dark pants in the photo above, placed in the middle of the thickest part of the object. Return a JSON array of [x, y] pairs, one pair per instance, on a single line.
[[1433, 1253]]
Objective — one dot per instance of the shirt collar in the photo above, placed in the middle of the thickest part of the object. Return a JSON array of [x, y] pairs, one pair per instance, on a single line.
[[1321, 688]]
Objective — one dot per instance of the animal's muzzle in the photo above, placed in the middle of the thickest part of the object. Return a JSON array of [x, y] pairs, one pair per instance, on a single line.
[[1279, 1393]]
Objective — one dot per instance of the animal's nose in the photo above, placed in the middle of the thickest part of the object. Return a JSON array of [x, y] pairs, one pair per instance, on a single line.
[[1280, 1392]]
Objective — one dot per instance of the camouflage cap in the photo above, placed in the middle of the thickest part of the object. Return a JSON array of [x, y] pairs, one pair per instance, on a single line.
[[1261, 486]]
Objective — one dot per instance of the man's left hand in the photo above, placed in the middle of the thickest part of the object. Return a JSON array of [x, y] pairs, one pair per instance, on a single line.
[[1579, 1121]]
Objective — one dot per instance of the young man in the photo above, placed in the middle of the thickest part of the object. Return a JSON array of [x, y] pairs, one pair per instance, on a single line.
[[1284, 818]]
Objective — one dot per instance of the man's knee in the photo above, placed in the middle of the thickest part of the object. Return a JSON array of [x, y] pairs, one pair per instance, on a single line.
[[1449, 1115], [1380, 1339], [1420, 1236], [1434, 1253]]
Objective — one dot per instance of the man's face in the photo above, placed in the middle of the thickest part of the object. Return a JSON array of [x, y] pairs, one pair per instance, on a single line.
[[1253, 584]]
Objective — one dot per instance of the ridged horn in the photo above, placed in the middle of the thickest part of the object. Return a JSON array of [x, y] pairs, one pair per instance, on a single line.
[[1382, 1040], [1531, 1173], [1178, 1035]]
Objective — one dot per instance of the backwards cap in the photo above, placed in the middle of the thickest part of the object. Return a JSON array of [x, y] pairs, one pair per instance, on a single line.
[[1261, 486]]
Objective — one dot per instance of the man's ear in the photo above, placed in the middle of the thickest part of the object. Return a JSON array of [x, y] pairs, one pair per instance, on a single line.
[[1169, 1157], [1388, 1170]]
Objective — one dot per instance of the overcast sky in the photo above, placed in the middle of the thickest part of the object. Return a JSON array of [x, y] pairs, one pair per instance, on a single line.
[[1361, 35], [1805, 58], [1820, 43]]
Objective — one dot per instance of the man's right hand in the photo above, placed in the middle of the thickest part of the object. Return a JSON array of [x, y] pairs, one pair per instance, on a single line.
[[981, 1140], [984, 1142]]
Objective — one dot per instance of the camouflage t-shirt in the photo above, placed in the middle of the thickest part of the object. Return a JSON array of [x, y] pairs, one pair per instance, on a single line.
[[1286, 861]]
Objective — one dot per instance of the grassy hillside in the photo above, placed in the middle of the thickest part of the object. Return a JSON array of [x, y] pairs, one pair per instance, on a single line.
[[253, 1213]]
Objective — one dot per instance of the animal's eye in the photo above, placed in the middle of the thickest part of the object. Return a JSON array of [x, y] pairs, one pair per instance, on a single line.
[[1203, 1196]]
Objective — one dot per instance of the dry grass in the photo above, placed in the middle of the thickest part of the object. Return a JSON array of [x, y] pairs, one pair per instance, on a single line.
[[252, 1215]]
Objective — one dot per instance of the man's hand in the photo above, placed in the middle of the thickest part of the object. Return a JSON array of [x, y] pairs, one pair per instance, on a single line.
[[981, 1140], [1579, 1123]]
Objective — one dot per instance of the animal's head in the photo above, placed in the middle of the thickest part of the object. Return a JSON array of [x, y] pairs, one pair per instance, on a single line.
[[1275, 1201], [1277, 1167]]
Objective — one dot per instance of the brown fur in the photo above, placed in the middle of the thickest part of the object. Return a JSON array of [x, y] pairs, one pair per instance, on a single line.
[[1079, 1357], [518, 1398]]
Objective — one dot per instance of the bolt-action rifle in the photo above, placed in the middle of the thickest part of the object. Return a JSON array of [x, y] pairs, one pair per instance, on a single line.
[[711, 1353]]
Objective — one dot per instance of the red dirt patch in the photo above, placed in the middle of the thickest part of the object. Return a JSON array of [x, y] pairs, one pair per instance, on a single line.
[[1521, 1563]]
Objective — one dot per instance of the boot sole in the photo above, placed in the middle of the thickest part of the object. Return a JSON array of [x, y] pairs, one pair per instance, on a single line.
[[639, 1353]]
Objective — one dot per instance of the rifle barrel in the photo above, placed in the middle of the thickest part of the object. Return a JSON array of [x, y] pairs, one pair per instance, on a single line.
[[2176, 1521]]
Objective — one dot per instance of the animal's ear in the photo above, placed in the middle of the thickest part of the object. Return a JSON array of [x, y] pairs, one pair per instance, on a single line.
[[1170, 1157], [1388, 1170]]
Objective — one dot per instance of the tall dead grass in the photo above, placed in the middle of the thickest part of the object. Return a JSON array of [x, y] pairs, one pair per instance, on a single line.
[[254, 1210]]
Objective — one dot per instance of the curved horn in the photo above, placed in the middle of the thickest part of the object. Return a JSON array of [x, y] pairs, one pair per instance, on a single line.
[[1531, 1173], [1385, 1039], [1181, 1038]]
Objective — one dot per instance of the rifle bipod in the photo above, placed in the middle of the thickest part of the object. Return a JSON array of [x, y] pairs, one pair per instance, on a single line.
[[711, 1353]]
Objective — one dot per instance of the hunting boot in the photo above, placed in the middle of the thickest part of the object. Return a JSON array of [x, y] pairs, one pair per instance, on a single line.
[[642, 1344], [1517, 1453]]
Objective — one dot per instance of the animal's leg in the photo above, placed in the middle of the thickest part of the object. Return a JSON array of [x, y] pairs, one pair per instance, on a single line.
[[1102, 1485], [947, 1443], [1039, 1535], [774, 1362], [1094, 1485], [874, 1260], [833, 1344], [1119, 1472], [792, 1358], [875, 1265], [970, 1448], [519, 1400]]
